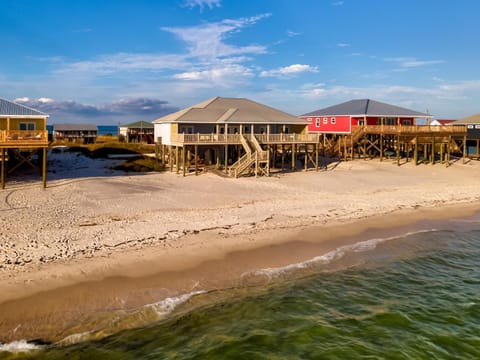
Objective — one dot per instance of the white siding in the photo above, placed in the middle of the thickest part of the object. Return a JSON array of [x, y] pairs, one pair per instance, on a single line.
[[163, 130]]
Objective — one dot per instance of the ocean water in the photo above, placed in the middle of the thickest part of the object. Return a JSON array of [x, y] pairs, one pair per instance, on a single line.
[[412, 297], [102, 129]]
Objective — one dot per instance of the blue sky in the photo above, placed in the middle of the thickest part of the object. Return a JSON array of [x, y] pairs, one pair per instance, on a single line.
[[114, 61]]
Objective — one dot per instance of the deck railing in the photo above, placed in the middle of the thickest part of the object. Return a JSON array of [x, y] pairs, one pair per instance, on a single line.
[[23, 137], [236, 138], [412, 129]]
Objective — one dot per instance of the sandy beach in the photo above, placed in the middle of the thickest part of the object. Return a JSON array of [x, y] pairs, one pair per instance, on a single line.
[[97, 240]]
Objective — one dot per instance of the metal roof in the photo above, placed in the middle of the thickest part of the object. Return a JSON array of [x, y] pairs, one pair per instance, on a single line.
[[364, 107], [474, 119], [231, 111], [139, 125], [10, 108], [75, 127]]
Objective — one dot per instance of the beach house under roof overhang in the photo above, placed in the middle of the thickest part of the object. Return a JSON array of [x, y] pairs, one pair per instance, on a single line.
[[341, 117], [227, 116], [23, 133]]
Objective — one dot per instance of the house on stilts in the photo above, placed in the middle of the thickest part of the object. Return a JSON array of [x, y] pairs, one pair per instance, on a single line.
[[371, 128], [234, 137], [473, 134], [23, 134]]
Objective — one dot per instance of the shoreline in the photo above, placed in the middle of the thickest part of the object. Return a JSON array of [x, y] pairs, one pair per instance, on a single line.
[[246, 235]]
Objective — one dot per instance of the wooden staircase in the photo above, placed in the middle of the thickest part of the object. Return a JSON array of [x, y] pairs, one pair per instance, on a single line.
[[255, 159]]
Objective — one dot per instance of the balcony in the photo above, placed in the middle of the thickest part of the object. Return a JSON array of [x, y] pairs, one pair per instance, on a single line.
[[429, 130], [232, 139], [23, 138]]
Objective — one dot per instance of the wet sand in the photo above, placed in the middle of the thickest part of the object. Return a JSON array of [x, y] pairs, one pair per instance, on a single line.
[[131, 241]]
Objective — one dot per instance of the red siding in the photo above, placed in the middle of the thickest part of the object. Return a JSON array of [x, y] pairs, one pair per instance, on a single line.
[[341, 124]]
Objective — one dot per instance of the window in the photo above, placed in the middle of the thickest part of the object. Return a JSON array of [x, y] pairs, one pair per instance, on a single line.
[[27, 126], [333, 121], [407, 122], [325, 121], [477, 126], [317, 122], [470, 126], [309, 120], [390, 121]]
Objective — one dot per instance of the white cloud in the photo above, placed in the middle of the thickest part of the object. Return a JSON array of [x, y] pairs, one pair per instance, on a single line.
[[202, 3], [224, 75], [291, 34], [343, 45], [290, 70], [107, 64], [207, 41], [408, 62], [338, 3]]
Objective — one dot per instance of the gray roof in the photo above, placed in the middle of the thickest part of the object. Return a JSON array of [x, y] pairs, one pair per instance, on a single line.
[[231, 111], [474, 119], [364, 107], [10, 108], [139, 125], [75, 127]]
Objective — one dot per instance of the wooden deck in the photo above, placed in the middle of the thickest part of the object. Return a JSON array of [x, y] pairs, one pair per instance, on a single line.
[[420, 130], [236, 139], [23, 138]]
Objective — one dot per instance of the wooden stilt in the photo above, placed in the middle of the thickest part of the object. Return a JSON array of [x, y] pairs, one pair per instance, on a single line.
[[196, 159], [4, 158], [226, 159], [44, 168], [441, 153], [415, 151], [464, 149], [293, 157], [306, 157], [398, 150], [268, 160], [447, 162], [170, 157], [177, 160], [433, 150], [183, 160], [316, 156], [381, 147], [283, 157]]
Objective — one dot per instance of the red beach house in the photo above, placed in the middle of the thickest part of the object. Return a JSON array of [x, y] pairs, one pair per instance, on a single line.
[[339, 119]]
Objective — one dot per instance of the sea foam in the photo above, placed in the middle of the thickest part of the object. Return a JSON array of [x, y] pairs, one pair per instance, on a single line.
[[331, 256], [168, 305], [19, 346]]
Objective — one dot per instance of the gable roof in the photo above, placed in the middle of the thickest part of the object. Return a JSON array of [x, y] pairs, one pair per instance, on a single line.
[[364, 107], [75, 127], [474, 119], [230, 111], [10, 108], [442, 121], [138, 125]]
